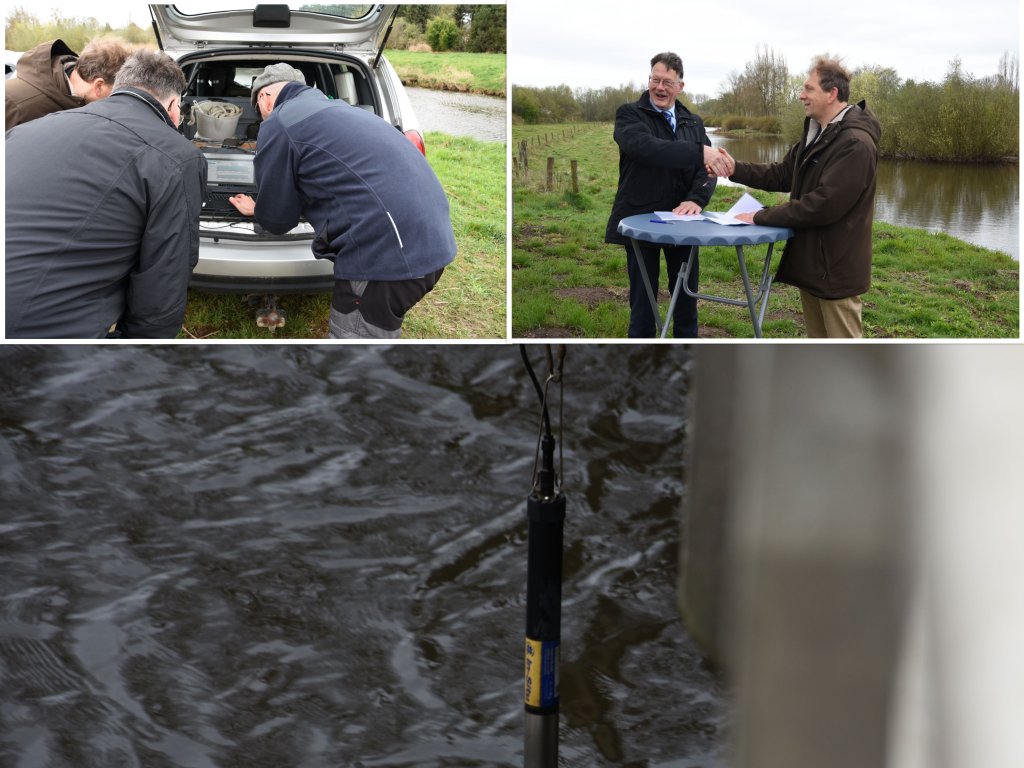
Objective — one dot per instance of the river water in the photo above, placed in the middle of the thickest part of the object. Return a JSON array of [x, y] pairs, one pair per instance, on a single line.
[[315, 556], [976, 202], [460, 114]]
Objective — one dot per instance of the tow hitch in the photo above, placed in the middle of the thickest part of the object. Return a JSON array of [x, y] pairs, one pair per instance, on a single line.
[[269, 315]]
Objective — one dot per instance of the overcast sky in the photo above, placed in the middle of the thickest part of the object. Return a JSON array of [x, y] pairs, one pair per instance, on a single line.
[[596, 44], [116, 12]]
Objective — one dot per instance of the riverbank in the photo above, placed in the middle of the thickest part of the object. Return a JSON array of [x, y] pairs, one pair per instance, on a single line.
[[975, 202], [482, 73], [755, 133], [566, 282]]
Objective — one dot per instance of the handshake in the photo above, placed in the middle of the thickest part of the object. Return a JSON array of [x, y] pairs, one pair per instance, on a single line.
[[719, 162]]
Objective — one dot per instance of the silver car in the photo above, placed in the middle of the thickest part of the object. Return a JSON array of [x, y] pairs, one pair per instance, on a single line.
[[10, 63], [221, 52]]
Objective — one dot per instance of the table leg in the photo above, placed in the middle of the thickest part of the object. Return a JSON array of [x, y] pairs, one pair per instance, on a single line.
[[751, 300], [682, 279], [766, 284], [660, 329], [751, 303]]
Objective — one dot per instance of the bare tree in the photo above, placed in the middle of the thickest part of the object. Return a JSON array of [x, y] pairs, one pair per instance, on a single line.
[[768, 76], [1009, 71], [761, 90]]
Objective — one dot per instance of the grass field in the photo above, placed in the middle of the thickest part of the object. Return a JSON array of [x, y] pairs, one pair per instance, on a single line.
[[567, 283], [451, 71]]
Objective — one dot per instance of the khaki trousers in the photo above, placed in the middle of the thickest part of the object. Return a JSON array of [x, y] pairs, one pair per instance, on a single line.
[[832, 318]]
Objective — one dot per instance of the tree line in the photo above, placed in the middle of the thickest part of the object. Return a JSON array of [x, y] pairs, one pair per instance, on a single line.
[[477, 28], [960, 118], [23, 31], [474, 28], [562, 104]]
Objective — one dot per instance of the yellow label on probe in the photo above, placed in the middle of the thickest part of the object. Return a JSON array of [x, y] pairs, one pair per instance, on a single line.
[[541, 673]]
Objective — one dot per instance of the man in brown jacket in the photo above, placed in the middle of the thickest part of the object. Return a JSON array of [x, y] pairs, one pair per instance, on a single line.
[[51, 77], [830, 177]]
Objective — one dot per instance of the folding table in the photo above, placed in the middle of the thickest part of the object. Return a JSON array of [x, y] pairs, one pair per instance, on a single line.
[[695, 234]]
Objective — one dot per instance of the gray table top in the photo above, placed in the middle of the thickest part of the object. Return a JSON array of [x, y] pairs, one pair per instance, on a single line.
[[641, 227]]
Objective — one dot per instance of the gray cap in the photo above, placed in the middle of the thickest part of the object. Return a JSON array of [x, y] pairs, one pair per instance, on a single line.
[[275, 73]]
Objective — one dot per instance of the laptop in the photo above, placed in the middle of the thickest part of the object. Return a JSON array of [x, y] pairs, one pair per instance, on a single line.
[[228, 173]]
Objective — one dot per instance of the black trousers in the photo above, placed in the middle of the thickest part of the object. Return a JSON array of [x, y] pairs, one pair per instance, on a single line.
[[382, 303], [641, 314]]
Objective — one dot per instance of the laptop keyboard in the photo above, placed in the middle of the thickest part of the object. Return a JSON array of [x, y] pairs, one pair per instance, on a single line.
[[218, 205]]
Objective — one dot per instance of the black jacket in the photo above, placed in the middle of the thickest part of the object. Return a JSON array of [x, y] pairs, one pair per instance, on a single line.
[[657, 170], [103, 210]]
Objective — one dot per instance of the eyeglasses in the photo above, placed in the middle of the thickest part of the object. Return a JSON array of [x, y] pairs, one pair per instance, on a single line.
[[656, 81], [181, 114]]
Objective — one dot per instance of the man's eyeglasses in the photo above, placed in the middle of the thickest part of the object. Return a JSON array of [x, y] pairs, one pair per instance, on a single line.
[[656, 81], [181, 114]]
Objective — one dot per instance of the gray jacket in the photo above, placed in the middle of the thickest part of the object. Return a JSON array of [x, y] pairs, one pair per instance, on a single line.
[[103, 210]]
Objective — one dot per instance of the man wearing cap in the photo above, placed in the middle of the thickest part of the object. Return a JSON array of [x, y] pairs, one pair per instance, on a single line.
[[378, 210]]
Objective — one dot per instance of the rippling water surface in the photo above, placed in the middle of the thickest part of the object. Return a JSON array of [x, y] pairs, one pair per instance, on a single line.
[[313, 556], [976, 202], [460, 114]]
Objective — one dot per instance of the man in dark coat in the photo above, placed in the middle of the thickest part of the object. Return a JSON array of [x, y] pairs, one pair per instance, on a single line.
[[51, 77], [663, 150], [377, 208], [103, 210], [830, 176]]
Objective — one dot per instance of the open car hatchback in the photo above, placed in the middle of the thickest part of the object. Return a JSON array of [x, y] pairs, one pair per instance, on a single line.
[[221, 53]]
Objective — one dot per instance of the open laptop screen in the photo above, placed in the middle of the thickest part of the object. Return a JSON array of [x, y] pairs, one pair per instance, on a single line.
[[230, 168]]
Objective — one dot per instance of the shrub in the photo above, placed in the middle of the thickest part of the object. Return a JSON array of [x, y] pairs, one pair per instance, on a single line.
[[525, 105], [404, 35], [733, 123], [442, 34], [765, 124]]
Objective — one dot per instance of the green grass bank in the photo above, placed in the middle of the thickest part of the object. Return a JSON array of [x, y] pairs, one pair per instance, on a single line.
[[567, 283], [482, 73]]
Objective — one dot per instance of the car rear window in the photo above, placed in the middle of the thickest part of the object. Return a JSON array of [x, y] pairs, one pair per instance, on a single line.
[[342, 11], [244, 76]]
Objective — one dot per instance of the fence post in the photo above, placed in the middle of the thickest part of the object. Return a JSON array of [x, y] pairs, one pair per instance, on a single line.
[[523, 158], [551, 174], [575, 184]]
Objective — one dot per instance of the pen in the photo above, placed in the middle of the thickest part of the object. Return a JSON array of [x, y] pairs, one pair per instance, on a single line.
[[658, 221]]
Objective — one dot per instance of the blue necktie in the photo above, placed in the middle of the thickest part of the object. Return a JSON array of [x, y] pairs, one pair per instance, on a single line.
[[670, 115]]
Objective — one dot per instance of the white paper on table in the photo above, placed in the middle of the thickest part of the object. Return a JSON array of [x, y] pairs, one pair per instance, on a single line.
[[746, 204], [669, 216]]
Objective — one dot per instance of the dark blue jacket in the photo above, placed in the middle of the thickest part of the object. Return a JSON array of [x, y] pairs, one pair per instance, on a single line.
[[103, 210], [657, 170], [376, 206]]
